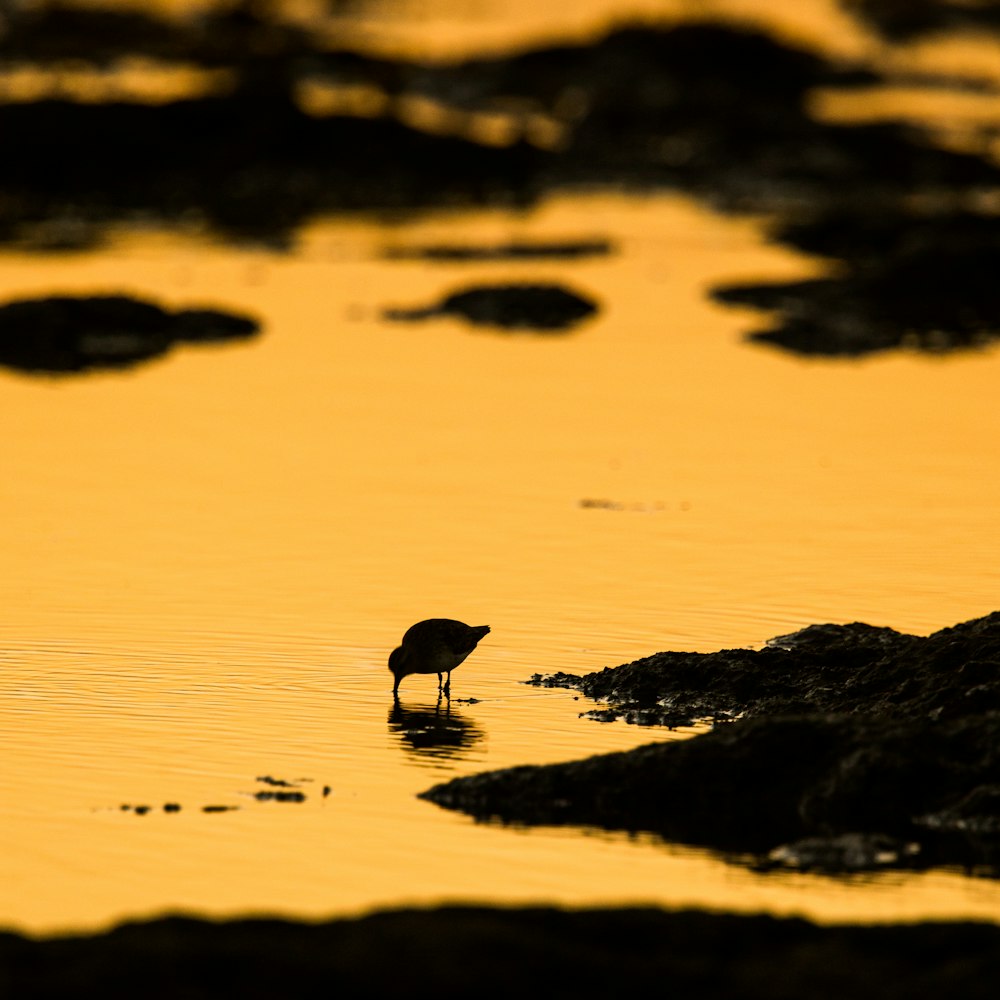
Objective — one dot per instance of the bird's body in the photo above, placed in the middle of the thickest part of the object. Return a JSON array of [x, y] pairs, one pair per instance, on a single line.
[[434, 646]]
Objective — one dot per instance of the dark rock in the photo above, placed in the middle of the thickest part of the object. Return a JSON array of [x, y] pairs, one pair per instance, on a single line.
[[638, 71], [848, 852], [463, 951], [516, 307], [757, 784], [978, 812], [601, 503], [908, 19], [823, 668], [63, 334], [844, 731], [211, 326], [56, 33], [723, 113], [716, 110]]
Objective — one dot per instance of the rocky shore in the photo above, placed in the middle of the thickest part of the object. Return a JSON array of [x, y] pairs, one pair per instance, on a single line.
[[845, 748]]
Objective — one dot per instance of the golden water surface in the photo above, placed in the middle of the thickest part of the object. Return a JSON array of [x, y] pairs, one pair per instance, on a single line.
[[207, 559]]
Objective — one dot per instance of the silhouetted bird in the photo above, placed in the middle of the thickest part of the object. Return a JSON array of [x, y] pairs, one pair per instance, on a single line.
[[434, 646]]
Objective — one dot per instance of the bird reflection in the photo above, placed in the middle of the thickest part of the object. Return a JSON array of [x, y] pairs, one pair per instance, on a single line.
[[433, 734]]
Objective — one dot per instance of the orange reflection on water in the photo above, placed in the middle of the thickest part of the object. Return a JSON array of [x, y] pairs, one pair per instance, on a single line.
[[208, 559]]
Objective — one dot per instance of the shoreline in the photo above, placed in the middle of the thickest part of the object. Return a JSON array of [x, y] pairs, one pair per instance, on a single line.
[[836, 749]]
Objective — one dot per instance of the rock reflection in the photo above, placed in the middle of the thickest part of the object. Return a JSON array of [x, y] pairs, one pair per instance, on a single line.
[[433, 734]]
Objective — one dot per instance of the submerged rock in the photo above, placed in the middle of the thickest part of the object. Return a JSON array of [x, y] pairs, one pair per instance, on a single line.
[[63, 334], [515, 307]]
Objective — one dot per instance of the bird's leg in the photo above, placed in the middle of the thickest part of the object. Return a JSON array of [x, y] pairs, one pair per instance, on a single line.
[[439, 683], [447, 685]]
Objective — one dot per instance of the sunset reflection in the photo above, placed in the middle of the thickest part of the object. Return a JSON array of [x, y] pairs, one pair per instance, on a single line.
[[209, 557]]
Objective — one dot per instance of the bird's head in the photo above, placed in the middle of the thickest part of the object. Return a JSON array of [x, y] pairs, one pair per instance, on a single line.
[[397, 662]]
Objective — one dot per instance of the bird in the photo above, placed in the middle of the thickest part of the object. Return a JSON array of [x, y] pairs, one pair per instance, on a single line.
[[434, 646]]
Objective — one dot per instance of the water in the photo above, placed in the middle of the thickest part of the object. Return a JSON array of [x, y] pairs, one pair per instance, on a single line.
[[209, 557]]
